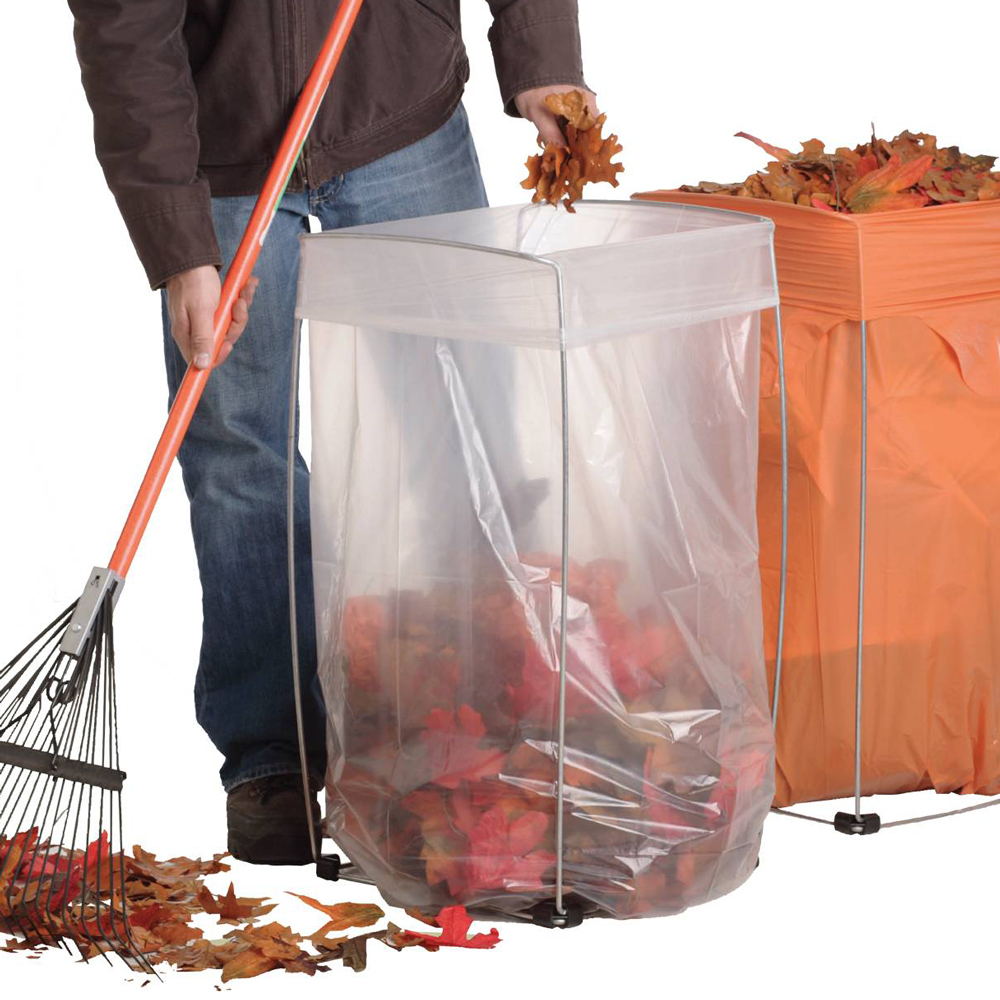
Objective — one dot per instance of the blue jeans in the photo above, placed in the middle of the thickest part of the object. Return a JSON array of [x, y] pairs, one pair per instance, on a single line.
[[234, 467]]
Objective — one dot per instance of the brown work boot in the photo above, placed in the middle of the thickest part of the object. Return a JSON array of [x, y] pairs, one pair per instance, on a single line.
[[267, 821]]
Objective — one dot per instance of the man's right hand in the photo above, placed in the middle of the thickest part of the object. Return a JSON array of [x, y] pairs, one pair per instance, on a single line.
[[192, 298]]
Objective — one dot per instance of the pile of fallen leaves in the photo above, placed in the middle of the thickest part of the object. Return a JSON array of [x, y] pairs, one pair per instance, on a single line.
[[447, 773], [911, 171], [162, 898], [559, 172]]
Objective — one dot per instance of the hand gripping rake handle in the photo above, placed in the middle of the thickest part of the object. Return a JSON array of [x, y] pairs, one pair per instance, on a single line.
[[239, 272]]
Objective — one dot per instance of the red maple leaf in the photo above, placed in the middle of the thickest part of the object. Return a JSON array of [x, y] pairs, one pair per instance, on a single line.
[[96, 857], [502, 851], [49, 863], [453, 751], [454, 923]]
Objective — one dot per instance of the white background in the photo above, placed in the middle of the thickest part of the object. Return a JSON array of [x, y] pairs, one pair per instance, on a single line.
[[911, 912]]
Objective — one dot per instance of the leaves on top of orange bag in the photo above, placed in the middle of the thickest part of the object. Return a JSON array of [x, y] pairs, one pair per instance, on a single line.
[[910, 171], [560, 171]]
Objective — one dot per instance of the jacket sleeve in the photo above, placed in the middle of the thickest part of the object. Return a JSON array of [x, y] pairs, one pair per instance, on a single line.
[[136, 74], [535, 43]]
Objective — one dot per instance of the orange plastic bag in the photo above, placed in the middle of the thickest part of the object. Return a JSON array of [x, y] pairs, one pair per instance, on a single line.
[[927, 283]]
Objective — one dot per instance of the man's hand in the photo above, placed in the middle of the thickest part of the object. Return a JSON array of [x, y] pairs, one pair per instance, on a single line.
[[531, 105], [192, 298]]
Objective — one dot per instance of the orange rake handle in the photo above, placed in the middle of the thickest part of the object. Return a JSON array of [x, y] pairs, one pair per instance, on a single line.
[[239, 272]]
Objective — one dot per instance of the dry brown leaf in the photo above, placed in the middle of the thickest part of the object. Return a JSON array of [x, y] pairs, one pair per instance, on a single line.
[[175, 869], [176, 932], [354, 951], [248, 964], [322, 943], [574, 107], [230, 909]]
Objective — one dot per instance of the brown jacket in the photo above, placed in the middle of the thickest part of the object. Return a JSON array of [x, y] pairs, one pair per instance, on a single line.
[[190, 97]]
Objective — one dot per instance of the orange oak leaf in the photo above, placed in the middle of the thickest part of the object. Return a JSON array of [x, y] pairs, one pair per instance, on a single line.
[[776, 151], [343, 915], [871, 192]]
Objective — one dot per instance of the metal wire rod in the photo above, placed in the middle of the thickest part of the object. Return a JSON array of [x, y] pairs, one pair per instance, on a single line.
[[798, 815], [942, 815], [564, 601], [862, 537], [293, 618], [783, 587]]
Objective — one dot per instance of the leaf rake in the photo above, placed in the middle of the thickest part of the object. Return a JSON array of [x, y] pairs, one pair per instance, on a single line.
[[62, 878]]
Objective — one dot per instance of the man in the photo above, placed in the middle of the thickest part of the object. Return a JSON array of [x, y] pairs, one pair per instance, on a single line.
[[190, 99]]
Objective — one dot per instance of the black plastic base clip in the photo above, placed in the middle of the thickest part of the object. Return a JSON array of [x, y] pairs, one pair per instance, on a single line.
[[850, 824], [328, 867], [546, 915]]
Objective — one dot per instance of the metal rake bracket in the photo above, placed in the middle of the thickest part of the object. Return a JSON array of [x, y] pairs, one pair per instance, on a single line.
[[100, 584]]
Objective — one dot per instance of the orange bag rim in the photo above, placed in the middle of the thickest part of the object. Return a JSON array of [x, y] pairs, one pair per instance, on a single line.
[[860, 220]]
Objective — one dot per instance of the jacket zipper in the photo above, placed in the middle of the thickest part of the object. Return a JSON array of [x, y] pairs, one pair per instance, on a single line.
[[296, 23]]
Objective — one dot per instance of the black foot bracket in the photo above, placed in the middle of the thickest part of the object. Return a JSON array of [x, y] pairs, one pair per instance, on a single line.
[[546, 915], [850, 824], [328, 867]]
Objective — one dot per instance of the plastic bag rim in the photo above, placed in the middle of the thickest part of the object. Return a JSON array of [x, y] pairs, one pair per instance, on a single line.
[[746, 219]]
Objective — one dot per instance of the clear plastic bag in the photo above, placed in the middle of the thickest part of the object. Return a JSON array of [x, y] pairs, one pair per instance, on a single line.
[[442, 353]]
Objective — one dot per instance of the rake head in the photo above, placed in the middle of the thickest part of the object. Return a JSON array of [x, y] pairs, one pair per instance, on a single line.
[[62, 878]]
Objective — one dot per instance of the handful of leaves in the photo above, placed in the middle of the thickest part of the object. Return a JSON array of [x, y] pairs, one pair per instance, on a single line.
[[559, 172], [911, 171]]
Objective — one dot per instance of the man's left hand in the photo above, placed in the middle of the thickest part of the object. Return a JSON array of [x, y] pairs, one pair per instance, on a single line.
[[531, 105]]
